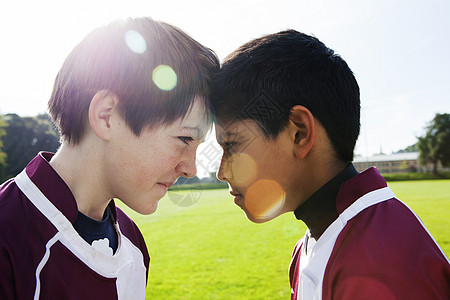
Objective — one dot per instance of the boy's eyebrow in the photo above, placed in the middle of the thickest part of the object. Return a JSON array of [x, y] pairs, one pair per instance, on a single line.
[[228, 134]]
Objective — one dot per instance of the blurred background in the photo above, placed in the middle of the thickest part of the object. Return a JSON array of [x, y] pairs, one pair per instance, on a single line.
[[202, 246]]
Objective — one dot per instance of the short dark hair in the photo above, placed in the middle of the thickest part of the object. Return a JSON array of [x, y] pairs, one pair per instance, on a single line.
[[105, 60], [264, 78]]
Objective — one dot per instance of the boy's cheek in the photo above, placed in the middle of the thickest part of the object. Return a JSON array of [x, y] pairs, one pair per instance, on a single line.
[[264, 199], [243, 169]]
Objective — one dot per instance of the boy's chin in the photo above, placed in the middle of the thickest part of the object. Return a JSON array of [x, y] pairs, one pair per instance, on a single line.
[[148, 211], [144, 209], [259, 219], [264, 200], [258, 214]]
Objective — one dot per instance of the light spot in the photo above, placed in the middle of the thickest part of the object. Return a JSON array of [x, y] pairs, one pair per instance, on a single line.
[[164, 77], [243, 168], [135, 41], [264, 199]]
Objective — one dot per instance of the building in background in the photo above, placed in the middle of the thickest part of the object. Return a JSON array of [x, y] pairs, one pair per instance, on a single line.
[[404, 162], [390, 163]]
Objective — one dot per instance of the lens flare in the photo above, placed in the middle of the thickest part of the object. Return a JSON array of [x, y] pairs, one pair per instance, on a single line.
[[243, 168], [135, 41], [164, 77], [264, 198]]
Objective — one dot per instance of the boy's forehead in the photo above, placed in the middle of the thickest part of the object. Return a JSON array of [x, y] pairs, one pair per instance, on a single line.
[[198, 127], [196, 119], [198, 132], [236, 128]]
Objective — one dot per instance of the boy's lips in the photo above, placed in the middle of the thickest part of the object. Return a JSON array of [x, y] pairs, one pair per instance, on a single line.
[[235, 194], [167, 184], [238, 199]]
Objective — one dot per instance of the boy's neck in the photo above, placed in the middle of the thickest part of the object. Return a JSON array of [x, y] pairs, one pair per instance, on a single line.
[[78, 167], [319, 210]]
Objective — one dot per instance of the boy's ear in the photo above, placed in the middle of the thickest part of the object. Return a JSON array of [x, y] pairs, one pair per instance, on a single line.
[[102, 106], [303, 130]]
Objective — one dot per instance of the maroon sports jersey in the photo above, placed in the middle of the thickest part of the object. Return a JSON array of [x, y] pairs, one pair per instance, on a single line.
[[376, 249], [43, 257]]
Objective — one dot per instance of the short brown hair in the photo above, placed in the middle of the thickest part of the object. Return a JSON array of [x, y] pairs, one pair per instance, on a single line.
[[263, 79], [104, 60]]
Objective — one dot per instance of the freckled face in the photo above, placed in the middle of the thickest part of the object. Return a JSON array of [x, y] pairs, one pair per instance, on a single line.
[[257, 169], [142, 168]]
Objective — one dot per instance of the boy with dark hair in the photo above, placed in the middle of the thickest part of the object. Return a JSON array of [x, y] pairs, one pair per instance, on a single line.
[[131, 104], [288, 113]]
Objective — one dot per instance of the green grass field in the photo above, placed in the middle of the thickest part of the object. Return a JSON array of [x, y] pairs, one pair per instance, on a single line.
[[209, 250]]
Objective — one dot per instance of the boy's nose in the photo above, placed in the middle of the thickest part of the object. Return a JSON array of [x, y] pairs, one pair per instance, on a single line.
[[219, 174], [223, 173], [187, 168]]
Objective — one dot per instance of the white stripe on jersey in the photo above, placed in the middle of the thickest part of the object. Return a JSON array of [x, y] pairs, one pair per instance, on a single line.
[[127, 264], [42, 263]]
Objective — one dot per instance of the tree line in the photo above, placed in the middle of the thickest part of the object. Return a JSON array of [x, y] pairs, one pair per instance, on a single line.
[[434, 146], [21, 138]]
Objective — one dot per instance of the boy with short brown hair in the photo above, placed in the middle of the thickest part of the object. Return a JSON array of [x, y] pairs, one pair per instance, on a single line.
[[131, 104]]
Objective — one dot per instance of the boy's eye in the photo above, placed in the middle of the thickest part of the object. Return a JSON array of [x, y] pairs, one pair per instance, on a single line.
[[186, 139], [228, 145]]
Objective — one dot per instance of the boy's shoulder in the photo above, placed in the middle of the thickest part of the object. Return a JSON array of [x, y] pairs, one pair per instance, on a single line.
[[24, 227], [14, 207], [386, 250], [7, 190], [8, 210]]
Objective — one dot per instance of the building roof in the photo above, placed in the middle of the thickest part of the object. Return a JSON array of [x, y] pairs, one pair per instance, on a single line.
[[388, 157]]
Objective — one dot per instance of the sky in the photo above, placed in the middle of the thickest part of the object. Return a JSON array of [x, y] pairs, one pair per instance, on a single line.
[[397, 49]]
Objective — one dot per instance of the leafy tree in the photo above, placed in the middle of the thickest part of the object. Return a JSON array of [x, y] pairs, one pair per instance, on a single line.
[[2, 154], [25, 137], [434, 146], [411, 148]]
